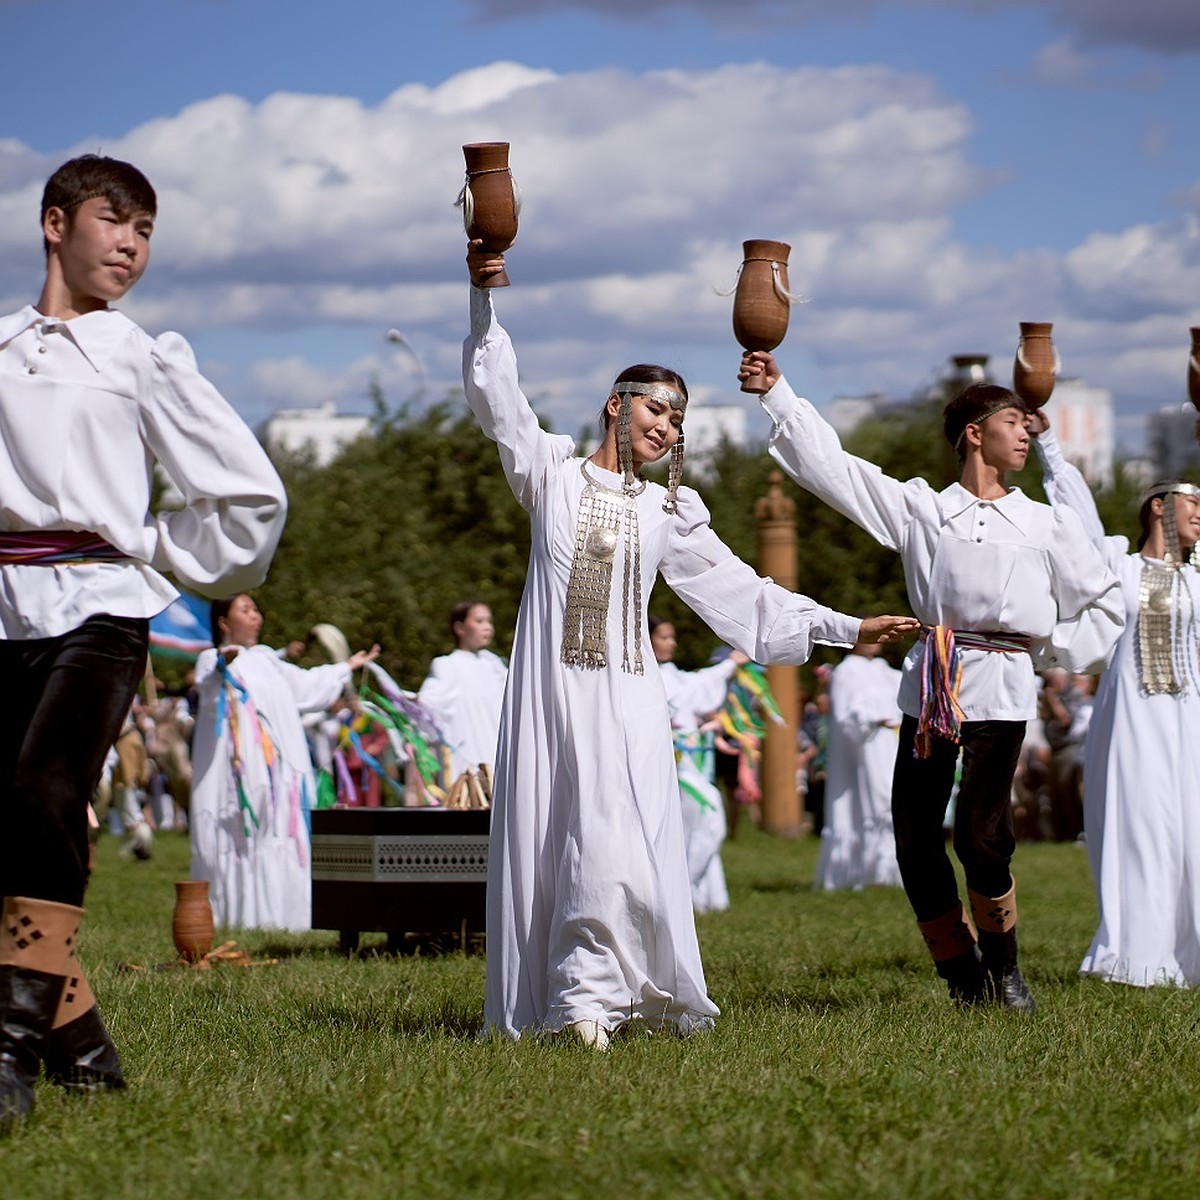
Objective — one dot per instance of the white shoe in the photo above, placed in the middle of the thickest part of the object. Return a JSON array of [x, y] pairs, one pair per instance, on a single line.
[[590, 1033]]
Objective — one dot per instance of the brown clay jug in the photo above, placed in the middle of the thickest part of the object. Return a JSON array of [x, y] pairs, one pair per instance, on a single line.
[[1194, 368], [1036, 364], [192, 920], [490, 201], [761, 305]]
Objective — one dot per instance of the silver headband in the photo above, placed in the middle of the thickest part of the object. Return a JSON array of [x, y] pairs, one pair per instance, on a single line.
[[660, 391], [1169, 487]]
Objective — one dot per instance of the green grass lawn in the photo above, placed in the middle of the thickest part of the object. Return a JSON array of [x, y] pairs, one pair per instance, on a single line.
[[838, 1067]]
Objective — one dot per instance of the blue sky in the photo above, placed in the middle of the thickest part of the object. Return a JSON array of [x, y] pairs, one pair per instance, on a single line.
[[942, 171]]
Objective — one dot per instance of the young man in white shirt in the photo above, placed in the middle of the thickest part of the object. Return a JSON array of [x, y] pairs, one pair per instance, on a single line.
[[1000, 583], [88, 401]]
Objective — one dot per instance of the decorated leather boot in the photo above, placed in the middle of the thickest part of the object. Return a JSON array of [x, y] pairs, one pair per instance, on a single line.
[[996, 919], [78, 1054], [955, 956], [37, 939]]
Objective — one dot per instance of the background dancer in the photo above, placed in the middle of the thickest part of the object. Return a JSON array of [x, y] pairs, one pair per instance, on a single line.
[[253, 781], [464, 689], [590, 922], [1000, 583], [1141, 772], [87, 402], [858, 844], [693, 697]]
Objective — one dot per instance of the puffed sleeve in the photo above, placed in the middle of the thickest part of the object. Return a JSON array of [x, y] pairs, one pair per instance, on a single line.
[[808, 448], [223, 538], [1088, 595], [1066, 488], [761, 619], [491, 384]]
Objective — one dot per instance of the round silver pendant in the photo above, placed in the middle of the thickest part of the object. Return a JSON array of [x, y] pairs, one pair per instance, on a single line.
[[1160, 602], [601, 544]]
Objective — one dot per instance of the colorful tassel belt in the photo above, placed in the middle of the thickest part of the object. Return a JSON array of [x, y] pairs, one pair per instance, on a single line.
[[941, 675], [49, 546]]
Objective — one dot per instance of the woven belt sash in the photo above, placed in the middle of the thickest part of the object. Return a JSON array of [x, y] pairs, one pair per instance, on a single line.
[[46, 547], [941, 675]]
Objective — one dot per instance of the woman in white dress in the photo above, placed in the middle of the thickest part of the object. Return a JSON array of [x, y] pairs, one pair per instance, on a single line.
[[589, 920], [858, 843], [253, 780], [692, 699], [464, 689], [1141, 768]]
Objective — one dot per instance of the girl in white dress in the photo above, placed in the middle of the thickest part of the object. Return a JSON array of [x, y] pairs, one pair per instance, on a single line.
[[589, 914], [253, 780], [464, 689], [692, 699], [858, 843], [1141, 769]]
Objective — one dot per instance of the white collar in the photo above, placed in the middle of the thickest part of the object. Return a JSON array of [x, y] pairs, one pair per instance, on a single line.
[[97, 334]]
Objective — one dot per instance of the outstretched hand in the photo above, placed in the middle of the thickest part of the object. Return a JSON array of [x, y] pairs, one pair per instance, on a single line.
[[360, 659], [877, 630], [482, 264]]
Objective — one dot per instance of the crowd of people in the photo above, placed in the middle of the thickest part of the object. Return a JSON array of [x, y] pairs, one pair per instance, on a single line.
[[604, 759]]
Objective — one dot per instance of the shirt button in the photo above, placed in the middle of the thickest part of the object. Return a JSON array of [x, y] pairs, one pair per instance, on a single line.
[[32, 369], [979, 539], [41, 349]]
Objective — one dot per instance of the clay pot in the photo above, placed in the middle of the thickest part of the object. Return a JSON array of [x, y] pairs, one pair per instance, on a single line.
[[761, 306], [192, 920], [1194, 368], [490, 207], [1036, 364]]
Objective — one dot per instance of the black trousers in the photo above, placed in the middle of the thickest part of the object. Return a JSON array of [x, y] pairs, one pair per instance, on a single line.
[[62, 703], [984, 840]]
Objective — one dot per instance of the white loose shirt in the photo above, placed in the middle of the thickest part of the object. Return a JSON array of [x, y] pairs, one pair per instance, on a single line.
[[1010, 565], [86, 408]]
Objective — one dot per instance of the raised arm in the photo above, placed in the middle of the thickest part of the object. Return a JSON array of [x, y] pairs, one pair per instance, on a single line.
[[1087, 592], [807, 447], [491, 384], [1065, 485]]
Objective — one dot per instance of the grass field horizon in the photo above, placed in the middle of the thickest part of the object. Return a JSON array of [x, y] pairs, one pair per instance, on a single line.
[[838, 1067]]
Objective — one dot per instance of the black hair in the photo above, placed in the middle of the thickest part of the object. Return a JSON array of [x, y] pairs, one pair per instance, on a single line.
[[91, 175]]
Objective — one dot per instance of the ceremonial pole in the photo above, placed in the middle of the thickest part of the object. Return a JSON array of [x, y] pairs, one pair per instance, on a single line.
[[776, 516]]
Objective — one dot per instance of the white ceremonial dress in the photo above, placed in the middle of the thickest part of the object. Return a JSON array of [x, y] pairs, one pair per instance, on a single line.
[[1009, 565], [258, 874], [858, 844], [589, 914], [1141, 779], [464, 691], [692, 698]]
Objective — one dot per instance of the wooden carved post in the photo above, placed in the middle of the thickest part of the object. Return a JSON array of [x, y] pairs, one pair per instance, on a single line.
[[776, 516]]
